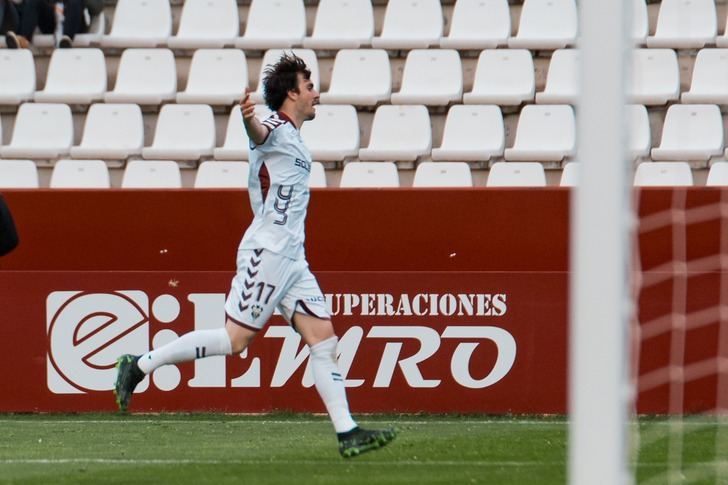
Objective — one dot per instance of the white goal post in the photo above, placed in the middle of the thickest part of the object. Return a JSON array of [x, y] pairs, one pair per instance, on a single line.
[[600, 253]]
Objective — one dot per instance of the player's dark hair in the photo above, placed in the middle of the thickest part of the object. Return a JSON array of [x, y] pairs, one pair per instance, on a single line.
[[282, 77]]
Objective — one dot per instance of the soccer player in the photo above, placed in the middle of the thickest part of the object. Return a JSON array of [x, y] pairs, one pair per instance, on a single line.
[[271, 265]]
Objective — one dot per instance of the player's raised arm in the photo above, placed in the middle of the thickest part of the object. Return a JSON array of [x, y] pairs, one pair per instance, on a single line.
[[256, 131]]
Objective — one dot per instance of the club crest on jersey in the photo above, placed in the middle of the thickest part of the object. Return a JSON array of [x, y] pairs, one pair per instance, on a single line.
[[303, 164], [255, 311]]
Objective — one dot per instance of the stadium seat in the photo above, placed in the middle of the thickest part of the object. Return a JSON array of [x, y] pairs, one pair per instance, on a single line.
[[708, 84], [562, 80], [400, 133], [478, 24], [640, 134], [318, 176], [663, 174], [443, 174], [718, 174], [546, 25], [145, 76], [570, 175], [206, 24], [18, 174], [432, 77], [151, 174], [334, 134], [544, 133], [691, 132], [94, 34], [236, 145], [369, 174], [216, 76], [516, 174], [504, 77], [342, 24], [17, 76], [75, 76], [183, 132], [111, 132], [271, 56], [685, 24], [472, 133], [139, 23], [42, 131], [274, 24], [80, 174], [213, 174], [410, 24], [361, 77], [655, 77], [640, 22]]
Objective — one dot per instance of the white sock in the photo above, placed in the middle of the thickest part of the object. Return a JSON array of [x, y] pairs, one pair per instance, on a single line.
[[190, 346], [330, 384]]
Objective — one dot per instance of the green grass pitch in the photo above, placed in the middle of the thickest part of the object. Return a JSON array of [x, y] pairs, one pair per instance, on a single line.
[[285, 448]]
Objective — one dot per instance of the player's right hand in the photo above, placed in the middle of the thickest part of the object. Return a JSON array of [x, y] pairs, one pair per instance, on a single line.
[[246, 106]]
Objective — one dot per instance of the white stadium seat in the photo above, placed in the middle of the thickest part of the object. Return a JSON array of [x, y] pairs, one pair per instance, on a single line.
[[183, 132], [274, 24], [709, 84], [544, 133], [42, 131], [718, 174], [685, 24], [369, 174], [236, 145], [18, 174], [271, 56], [80, 174], [318, 176], [562, 80], [442, 174], [75, 76], [94, 34], [478, 24], [640, 134], [342, 24], [570, 175], [216, 76], [111, 132], [206, 24], [334, 134], [399, 133], [140, 23], [151, 174], [546, 25], [655, 77], [410, 24], [663, 174], [360, 77], [516, 174], [472, 133], [504, 77], [145, 76], [691, 132], [213, 174], [640, 22], [431, 77], [17, 76]]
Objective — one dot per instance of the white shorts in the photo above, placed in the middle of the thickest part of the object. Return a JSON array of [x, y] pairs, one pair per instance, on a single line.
[[267, 280]]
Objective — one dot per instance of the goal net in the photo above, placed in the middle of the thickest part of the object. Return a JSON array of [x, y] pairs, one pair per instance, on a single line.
[[680, 336]]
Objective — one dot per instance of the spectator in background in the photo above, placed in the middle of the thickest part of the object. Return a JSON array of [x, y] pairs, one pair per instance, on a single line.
[[9, 16], [65, 19]]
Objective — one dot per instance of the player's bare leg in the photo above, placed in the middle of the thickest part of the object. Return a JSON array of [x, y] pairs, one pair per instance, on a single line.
[[131, 369], [321, 339]]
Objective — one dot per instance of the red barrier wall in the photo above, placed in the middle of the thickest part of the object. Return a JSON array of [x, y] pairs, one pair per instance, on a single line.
[[444, 300]]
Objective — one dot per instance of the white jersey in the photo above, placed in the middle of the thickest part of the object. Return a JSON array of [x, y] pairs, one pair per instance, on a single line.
[[278, 188]]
